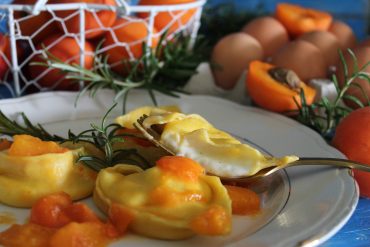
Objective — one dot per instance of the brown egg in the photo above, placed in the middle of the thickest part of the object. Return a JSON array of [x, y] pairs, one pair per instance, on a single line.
[[303, 58], [269, 32], [363, 56], [344, 33], [327, 43], [231, 56]]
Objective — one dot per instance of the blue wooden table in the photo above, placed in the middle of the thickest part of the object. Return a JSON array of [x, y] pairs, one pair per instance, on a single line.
[[356, 232]]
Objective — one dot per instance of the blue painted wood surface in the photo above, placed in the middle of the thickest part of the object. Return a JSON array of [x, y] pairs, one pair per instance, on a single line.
[[356, 232]]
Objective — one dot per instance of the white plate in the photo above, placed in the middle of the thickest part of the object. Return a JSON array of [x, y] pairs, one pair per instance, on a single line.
[[303, 206]]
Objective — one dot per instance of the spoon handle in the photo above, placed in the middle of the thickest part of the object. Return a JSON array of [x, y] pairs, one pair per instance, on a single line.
[[333, 162]]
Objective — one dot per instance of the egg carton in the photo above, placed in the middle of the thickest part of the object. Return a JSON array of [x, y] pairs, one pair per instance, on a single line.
[[24, 43]]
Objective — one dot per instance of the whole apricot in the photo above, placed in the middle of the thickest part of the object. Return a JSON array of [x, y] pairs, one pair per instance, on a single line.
[[37, 27], [66, 49], [4, 54], [95, 22], [125, 42], [352, 137], [169, 20]]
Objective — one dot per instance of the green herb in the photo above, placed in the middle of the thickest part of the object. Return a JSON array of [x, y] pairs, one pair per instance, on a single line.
[[103, 137], [11, 128], [165, 69], [324, 115]]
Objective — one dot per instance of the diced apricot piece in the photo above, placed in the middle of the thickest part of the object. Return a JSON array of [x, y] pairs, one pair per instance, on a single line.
[[28, 235], [120, 218], [80, 212], [166, 197], [55, 222], [181, 167], [26, 145], [214, 221], [243, 201], [111, 231], [87, 234], [5, 144], [49, 211]]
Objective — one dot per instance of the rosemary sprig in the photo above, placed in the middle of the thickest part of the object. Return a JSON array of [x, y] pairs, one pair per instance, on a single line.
[[103, 137], [10, 128], [324, 115], [164, 69]]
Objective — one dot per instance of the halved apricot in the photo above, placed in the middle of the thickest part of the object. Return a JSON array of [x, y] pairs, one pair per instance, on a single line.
[[271, 94], [299, 20]]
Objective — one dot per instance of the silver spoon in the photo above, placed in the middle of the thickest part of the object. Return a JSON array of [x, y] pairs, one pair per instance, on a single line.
[[154, 137], [312, 161]]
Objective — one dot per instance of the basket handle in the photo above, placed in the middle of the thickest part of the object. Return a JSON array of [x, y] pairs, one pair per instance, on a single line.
[[37, 6], [122, 4]]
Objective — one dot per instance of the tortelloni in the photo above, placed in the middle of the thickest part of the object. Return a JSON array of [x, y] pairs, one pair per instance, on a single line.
[[173, 200], [31, 169], [133, 138], [194, 137]]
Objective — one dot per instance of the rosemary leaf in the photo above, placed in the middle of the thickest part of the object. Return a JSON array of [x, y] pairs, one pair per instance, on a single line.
[[11, 128], [324, 115]]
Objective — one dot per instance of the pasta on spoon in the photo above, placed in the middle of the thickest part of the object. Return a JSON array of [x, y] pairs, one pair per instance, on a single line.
[[194, 137]]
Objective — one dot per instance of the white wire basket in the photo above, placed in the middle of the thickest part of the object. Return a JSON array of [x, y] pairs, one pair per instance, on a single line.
[[72, 31]]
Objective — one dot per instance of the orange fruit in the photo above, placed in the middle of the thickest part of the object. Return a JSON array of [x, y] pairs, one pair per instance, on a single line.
[[125, 42], [27, 235], [26, 145], [49, 211], [4, 53], [87, 234], [34, 26], [171, 20], [352, 137], [4, 144], [214, 221], [6, 56], [66, 49], [243, 201], [94, 24], [299, 20], [271, 94], [180, 167]]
